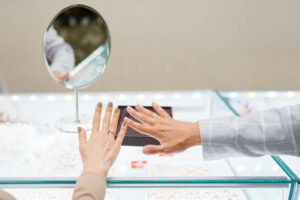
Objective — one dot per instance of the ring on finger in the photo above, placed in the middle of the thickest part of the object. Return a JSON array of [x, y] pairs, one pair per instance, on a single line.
[[111, 132]]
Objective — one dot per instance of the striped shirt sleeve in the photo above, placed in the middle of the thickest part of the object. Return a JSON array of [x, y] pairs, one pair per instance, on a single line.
[[271, 132]]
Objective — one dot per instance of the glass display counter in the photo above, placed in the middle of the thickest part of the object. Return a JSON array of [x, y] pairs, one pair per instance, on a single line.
[[243, 103], [38, 162]]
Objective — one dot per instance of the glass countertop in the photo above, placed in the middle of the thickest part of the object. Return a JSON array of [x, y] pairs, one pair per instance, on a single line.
[[245, 102], [34, 154]]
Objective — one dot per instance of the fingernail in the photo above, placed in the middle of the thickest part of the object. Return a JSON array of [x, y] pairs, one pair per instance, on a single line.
[[124, 123], [99, 104], [146, 150], [110, 104], [116, 110], [79, 129], [129, 108], [126, 119]]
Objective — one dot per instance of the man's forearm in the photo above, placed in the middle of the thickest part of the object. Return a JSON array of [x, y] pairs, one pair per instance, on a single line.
[[274, 131]]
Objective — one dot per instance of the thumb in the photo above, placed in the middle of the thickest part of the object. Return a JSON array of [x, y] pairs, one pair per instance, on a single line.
[[153, 149], [81, 136]]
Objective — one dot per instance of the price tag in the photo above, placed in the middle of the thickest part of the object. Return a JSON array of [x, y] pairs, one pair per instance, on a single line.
[[138, 164]]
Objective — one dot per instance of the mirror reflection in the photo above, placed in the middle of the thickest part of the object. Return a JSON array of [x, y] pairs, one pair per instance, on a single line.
[[76, 46]]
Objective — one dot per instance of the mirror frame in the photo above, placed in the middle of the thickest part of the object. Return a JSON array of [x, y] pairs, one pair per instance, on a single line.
[[52, 22]]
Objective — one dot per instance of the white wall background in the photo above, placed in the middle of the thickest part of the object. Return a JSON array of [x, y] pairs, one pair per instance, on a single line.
[[165, 45]]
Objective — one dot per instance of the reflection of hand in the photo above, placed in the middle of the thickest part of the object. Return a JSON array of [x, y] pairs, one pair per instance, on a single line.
[[101, 150], [173, 135], [60, 79]]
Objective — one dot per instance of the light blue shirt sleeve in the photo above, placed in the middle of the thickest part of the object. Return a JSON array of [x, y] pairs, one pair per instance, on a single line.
[[271, 132], [59, 52]]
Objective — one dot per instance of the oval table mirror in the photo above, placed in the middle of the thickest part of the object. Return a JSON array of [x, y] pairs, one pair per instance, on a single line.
[[76, 49]]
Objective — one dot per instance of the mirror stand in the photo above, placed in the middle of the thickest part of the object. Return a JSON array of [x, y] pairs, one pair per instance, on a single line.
[[68, 124], [76, 49], [76, 91]]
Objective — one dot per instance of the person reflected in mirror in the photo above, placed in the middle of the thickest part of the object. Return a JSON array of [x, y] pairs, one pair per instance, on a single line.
[[98, 153], [60, 54], [270, 132]]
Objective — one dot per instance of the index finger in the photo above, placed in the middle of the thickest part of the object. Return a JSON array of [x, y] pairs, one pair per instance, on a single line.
[[160, 110], [140, 116], [144, 110], [142, 128]]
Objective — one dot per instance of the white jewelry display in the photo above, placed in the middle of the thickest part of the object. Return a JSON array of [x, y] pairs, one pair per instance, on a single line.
[[60, 157], [28, 151]]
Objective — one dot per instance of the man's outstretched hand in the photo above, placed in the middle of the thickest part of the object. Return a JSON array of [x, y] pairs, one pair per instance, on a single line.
[[173, 135]]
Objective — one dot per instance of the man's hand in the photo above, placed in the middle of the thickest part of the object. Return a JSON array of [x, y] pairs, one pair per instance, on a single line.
[[173, 135], [100, 151]]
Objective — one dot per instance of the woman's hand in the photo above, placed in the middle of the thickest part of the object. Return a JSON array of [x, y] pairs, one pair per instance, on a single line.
[[173, 135], [100, 151]]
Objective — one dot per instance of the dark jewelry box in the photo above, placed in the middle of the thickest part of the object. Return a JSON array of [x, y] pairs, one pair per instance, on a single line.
[[133, 137]]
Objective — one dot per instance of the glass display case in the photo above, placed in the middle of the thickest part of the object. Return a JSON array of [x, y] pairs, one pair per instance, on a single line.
[[243, 103], [38, 162]]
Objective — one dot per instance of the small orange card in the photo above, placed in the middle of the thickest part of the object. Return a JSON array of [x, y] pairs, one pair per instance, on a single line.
[[138, 164]]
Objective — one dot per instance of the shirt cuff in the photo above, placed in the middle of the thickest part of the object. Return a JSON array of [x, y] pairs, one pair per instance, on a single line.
[[205, 129], [219, 138]]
